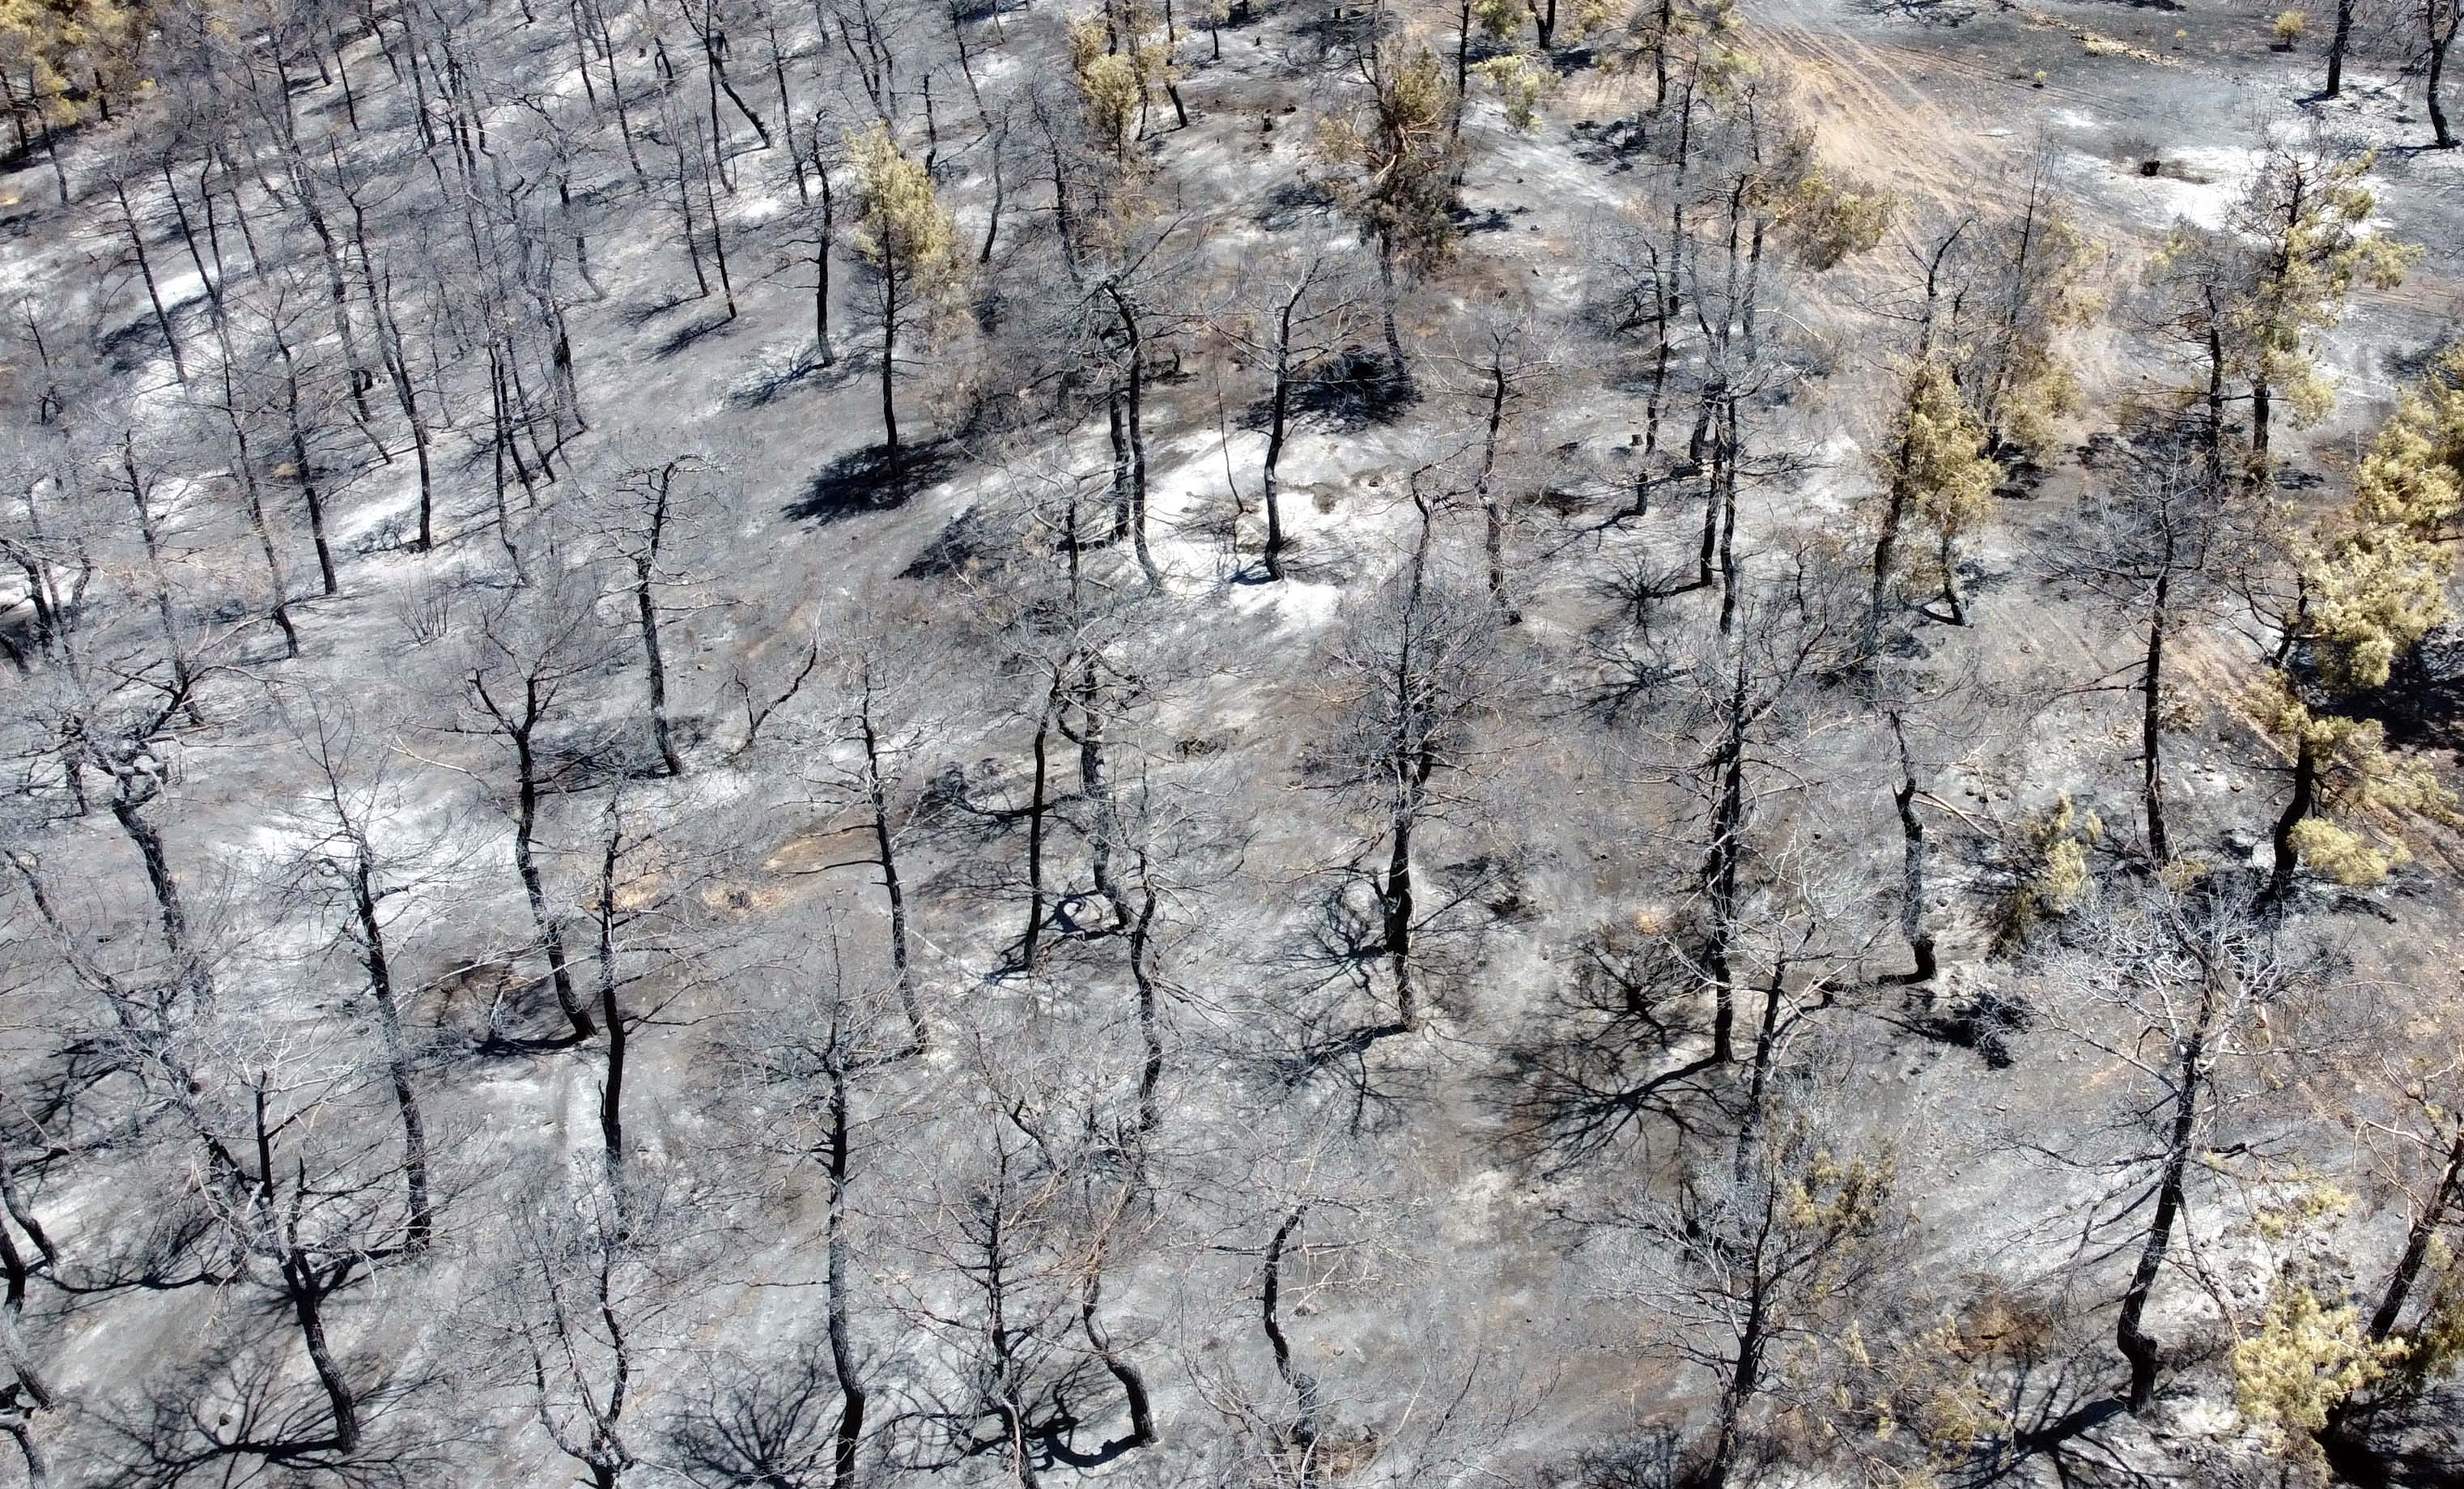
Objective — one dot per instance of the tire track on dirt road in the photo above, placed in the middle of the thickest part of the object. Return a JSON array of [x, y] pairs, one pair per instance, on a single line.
[[1939, 122], [1881, 126]]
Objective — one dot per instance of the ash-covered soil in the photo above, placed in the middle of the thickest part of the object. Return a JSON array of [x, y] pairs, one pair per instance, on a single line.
[[761, 954]]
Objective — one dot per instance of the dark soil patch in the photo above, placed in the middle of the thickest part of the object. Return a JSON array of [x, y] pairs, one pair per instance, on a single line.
[[1342, 29], [1947, 14], [1614, 142], [2406, 365]]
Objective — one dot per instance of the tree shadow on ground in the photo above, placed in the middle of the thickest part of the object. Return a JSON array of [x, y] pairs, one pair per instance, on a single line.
[[774, 382], [1338, 1013], [687, 337], [967, 541], [637, 316], [2422, 702], [2406, 1438], [1322, 565], [1650, 1456], [1291, 202], [1354, 389], [238, 1417], [1619, 1056], [1491, 220], [491, 1011], [579, 760], [1984, 1023], [132, 344], [870, 480]]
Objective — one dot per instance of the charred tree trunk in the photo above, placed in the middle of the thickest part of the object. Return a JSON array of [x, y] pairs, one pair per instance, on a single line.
[[1116, 426], [876, 796], [1303, 1431], [1150, 1002], [306, 1291], [13, 1200], [2151, 711], [303, 471], [1278, 414], [2298, 808], [1745, 1378], [2442, 28], [305, 1288], [31, 1382], [1094, 788], [265, 541], [188, 237], [1896, 497], [1492, 510], [379, 964], [2337, 44], [612, 1016], [1000, 192], [821, 248], [889, 309], [140, 496], [1725, 493], [646, 612], [2129, 1335], [1668, 281], [1133, 405], [1721, 865], [128, 811], [848, 1434], [1394, 896], [1386, 305], [2444, 1197], [38, 1469], [145, 266], [535, 886], [1036, 807], [1913, 873]]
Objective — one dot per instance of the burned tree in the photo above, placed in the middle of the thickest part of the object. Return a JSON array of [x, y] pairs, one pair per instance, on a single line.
[[533, 652]]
